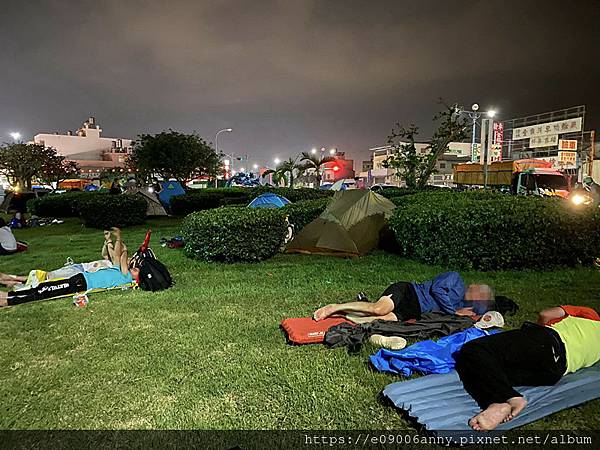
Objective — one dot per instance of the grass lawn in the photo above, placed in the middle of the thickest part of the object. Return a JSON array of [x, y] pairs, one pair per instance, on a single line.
[[208, 353]]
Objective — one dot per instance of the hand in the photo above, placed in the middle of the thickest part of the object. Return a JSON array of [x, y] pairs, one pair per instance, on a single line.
[[465, 312]]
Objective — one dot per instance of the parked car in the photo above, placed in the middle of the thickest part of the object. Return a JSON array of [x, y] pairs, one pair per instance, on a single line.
[[382, 186]]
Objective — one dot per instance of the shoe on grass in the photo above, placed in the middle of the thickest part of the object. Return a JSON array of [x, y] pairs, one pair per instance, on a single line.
[[391, 342]]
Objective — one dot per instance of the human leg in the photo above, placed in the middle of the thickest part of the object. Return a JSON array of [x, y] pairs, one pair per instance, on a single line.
[[489, 367], [108, 249], [383, 307], [45, 290]]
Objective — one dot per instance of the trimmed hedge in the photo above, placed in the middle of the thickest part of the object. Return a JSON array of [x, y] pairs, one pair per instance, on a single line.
[[233, 234], [182, 205], [488, 231], [106, 211], [202, 199], [60, 205], [302, 213]]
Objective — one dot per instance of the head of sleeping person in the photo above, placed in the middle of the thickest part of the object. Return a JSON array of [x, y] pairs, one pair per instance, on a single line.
[[480, 297]]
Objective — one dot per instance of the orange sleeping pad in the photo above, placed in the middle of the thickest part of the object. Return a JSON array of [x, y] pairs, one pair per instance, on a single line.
[[306, 330]]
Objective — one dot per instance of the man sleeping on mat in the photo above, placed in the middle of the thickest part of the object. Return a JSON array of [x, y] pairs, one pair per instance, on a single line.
[[564, 340], [404, 301], [121, 273]]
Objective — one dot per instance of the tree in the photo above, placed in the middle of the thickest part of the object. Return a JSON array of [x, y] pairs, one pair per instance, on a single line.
[[416, 168], [285, 168], [315, 162], [20, 163], [171, 154], [56, 169]]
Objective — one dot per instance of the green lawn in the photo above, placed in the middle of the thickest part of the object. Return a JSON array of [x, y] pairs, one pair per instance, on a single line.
[[208, 353]]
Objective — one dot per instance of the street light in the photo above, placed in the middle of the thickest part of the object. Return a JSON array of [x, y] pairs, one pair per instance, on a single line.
[[332, 151], [15, 135], [314, 151], [255, 166], [228, 130], [276, 161], [474, 115]]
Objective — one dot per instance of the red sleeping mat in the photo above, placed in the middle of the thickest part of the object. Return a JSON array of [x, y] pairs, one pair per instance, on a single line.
[[306, 330]]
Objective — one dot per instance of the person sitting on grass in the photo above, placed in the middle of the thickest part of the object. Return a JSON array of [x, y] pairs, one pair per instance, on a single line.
[[564, 340], [121, 273], [8, 242], [405, 301]]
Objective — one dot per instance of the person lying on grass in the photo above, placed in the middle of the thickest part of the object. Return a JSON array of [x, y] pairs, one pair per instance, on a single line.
[[564, 340], [404, 301], [121, 273]]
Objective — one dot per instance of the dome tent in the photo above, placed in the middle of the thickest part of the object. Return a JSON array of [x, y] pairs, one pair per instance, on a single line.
[[349, 226], [269, 200]]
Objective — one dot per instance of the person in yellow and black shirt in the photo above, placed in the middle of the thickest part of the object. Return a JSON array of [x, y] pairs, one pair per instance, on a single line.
[[564, 340]]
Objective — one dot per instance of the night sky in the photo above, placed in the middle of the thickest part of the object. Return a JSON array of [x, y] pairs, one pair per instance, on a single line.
[[289, 75]]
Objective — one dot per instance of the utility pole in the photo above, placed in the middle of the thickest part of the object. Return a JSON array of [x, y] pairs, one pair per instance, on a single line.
[[487, 136], [592, 153]]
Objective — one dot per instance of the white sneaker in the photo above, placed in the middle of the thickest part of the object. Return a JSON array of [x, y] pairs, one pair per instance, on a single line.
[[391, 342]]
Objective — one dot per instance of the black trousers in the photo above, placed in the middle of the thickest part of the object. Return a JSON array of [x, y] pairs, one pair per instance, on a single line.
[[406, 302], [490, 366], [49, 289]]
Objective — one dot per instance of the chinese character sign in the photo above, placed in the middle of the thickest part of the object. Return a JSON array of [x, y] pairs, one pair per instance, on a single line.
[[547, 129], [567, 144], [543, 141], [498, 138], [567, 160]]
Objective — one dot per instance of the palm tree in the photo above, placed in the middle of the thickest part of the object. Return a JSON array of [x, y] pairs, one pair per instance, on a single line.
[[285, 168], [278, 176], [315, 162]]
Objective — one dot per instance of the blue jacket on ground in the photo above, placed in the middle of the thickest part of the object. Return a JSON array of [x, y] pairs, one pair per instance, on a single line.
[[427, 356], [445, 293]]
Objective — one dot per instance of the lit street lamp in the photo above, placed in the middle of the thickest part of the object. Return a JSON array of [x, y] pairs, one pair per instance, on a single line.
[[15, 135], [229, 130], [474, 115], [276, 161]]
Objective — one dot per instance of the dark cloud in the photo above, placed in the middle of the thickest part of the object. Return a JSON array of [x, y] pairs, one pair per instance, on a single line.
[[289, 74]]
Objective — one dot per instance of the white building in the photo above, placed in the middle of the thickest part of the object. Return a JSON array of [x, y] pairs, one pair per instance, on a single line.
[[92, 152], [457, 152]]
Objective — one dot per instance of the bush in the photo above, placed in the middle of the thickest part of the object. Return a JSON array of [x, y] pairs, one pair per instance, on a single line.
[[485, 231], [105, 211], [302, 213], [202, 199], [402, 191], [59, 205], [233, 234], [182, 205]]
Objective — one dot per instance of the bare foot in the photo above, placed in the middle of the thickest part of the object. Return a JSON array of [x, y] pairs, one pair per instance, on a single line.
[[489, 419], [517, 404], [325, 311], [3, 299]]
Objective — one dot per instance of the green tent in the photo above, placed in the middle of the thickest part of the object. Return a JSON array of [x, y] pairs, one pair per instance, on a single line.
[[349, 226]]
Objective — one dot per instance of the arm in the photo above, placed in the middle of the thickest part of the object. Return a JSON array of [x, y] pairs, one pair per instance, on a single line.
[[448, 290], [549, 316]]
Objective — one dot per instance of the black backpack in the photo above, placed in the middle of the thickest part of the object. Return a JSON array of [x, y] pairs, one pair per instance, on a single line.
[[154, 276]]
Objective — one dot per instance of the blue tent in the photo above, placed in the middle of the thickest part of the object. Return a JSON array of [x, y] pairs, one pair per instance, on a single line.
[[169, 189], [269, 200]]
